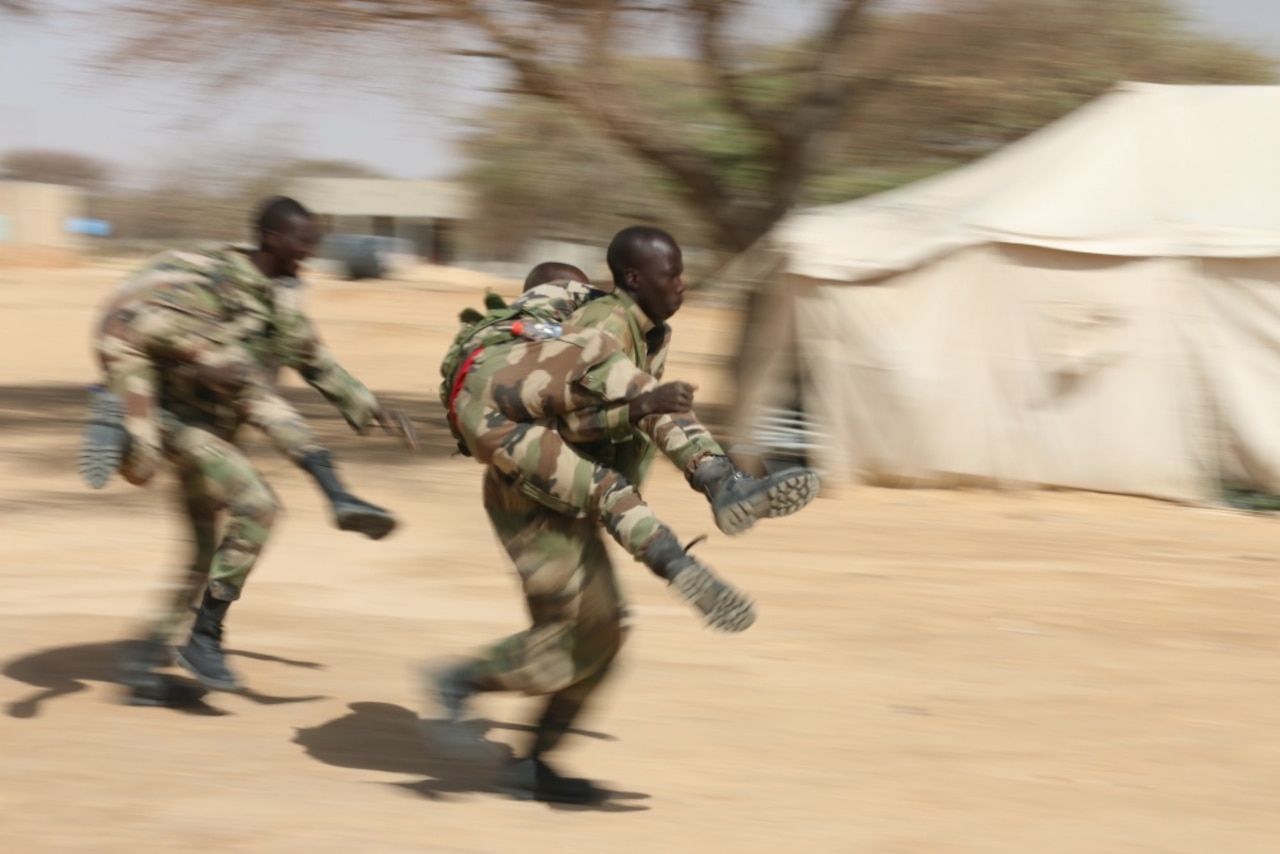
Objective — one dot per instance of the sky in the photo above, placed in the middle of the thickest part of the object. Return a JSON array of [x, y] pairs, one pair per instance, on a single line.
[[50, 98]]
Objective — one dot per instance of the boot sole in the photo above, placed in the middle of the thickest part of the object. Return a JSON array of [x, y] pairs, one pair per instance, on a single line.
[[102, 449], [372, 524], [781, 494], [204, 679], [170, 695], [729, 611]]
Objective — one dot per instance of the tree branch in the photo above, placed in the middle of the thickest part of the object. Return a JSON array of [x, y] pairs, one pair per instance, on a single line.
[[711, 16], [826, 96], [618, 119]]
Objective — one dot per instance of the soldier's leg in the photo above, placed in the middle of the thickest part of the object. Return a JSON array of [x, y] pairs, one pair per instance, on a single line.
[[585, 380], [737, 499], [260, 405], [599, 595], [123, 433], [576, 614], [538, 463], [232, 484], [201, 511], [133, 338], [140, 665], [530, 776]]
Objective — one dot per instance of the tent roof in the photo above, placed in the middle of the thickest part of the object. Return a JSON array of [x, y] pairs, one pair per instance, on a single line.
[[1144, 170]]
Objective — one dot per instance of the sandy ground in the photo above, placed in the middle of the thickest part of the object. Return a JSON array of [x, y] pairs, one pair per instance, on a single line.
[[931, 671]]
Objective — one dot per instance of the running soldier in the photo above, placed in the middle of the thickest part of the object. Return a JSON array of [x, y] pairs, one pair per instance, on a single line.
[[515, 405], [185, 345]]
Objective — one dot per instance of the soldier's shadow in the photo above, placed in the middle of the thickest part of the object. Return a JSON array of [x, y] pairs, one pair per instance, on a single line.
[[65, 670], [387, 737]]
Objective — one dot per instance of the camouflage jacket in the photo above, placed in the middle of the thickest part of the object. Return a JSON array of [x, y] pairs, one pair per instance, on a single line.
[[647, 344], [552, 302], [264, 315], [624, 447]]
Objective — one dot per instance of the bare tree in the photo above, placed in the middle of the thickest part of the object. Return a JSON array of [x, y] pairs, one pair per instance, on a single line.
[[570, 52], [49, 166]]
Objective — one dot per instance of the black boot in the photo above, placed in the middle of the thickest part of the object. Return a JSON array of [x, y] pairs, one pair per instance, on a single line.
[[726, 609], [532, 779], [139, 674], [349, 513], [202, 654], [447, 690], [106, 442], [738, 499]]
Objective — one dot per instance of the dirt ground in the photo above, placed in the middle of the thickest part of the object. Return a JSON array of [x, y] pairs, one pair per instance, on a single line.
[[931, 671]]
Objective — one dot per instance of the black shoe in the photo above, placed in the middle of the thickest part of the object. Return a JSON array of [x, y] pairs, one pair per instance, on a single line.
[[349, 513], [202, 655], [106, 442], [532, 779], [738, 499], [138, 667], [144, 685], [354, 514], [443, 729]]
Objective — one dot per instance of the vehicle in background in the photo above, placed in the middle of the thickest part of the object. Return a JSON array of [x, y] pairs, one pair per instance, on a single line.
[[364, 256]]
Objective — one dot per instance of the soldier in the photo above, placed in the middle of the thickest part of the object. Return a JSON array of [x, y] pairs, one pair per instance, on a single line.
[[553, 271], [543, 498], [185, 344]]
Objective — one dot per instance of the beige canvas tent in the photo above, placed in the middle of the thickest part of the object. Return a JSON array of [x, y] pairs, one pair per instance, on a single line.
[[1096, 307]]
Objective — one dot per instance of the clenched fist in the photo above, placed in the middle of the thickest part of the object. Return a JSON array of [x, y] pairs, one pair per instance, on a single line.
[[669, 397]]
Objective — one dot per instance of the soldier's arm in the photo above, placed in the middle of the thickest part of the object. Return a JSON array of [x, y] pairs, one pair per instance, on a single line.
[[616, 421], [298, 346], [650, 414]]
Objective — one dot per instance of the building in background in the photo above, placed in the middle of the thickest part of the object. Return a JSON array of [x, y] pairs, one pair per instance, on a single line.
[[40, 215], [425, 213]]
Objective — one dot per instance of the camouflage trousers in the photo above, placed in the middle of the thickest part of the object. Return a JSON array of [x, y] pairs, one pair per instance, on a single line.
[[522, 405], [141, 345], [215, 478], [574, 603]]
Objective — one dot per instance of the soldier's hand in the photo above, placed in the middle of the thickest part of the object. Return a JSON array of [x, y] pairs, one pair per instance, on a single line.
[[669, 397], [394, 421]]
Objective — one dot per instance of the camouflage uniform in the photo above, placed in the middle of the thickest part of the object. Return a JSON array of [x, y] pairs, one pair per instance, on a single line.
[[213, 308], [517, 404], [517, 408]]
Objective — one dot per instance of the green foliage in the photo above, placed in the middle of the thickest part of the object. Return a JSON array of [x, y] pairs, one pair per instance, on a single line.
[[969, 76]]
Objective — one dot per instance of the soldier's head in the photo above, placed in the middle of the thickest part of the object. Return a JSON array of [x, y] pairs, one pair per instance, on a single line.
[[287, 235], [647, 263], [553, 271]]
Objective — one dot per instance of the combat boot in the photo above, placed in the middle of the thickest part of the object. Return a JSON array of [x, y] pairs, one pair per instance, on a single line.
[[202, 654], [138, 672], [349, 513], [532, 779], [725, 608], [447, 691], [738, 499], [106, 442], [138, 667]]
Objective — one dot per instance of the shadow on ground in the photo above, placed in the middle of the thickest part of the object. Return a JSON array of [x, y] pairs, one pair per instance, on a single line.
[[387, 737], [66, 670]]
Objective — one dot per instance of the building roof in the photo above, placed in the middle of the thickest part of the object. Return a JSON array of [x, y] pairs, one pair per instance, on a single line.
[[382, 197]]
